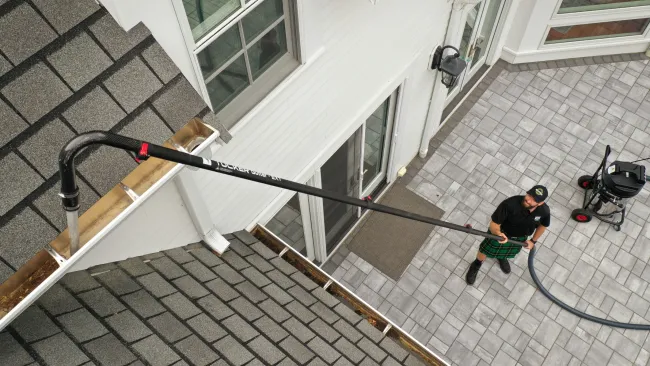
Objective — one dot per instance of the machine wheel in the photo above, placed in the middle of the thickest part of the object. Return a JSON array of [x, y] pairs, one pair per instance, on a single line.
[[617, 227], [585, 182], [581, 215]]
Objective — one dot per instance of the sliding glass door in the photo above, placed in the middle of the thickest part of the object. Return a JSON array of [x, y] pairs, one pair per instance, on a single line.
[[358, 168], [340, 174]]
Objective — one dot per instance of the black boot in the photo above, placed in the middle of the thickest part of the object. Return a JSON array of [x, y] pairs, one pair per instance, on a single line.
[[473, 271], [505, 266]]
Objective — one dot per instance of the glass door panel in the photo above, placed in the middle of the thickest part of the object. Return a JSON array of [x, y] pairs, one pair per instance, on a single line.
[[466, 41], [340, 174], [287, 225], [373, 147], [484, 36]]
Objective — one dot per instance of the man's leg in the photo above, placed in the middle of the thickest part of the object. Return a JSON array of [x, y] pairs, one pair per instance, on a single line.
[[474, 267], [505, 266]]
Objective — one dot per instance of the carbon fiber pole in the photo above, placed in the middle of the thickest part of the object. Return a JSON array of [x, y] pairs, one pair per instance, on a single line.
[[70, 193]]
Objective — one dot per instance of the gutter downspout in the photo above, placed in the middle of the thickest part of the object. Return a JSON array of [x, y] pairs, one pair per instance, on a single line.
[[439, 92], [196, 207]]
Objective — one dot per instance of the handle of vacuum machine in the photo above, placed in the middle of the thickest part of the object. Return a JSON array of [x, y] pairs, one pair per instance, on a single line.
[[70, 192], [608, 150]]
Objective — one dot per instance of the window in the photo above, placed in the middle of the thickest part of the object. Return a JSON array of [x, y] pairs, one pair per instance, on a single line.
[[249, 50], [573, 6], [583, 32], [204, 15]]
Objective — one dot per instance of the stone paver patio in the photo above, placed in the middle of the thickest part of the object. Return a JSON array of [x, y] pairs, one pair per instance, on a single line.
[[548, 126]]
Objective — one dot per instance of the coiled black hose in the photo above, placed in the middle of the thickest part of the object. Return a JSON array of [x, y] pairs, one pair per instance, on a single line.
[[574, 311]]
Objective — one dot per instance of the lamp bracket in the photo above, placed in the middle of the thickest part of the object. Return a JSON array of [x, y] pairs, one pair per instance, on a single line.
[[436, 60]]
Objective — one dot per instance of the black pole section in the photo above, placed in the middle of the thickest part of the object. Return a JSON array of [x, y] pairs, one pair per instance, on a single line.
[[69, 187], [69, 193]]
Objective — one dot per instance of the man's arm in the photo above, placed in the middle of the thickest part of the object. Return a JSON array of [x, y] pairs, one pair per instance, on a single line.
[[496, 230], [536, 235], [539, 232]]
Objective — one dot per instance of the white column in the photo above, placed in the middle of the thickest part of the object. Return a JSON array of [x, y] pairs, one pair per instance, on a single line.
[[437, 102]]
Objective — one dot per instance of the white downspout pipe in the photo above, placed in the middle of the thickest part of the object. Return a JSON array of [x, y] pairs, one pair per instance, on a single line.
[[437, 102], [197, 209]]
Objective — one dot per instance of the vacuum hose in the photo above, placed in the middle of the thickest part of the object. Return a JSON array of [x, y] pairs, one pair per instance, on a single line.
[[144, 150], [574, 311]]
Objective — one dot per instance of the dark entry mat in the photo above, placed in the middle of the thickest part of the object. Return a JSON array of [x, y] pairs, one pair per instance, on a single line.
[[390, 242]]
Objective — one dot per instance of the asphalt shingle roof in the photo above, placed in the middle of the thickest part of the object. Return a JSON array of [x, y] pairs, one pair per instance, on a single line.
[[66, 67], [189, 306]]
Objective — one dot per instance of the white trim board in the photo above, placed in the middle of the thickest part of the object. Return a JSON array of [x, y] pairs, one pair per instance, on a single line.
[[551, 54]]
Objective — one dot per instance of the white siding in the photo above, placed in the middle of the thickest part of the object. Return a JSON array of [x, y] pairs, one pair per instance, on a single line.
[[161, 223], [369, 50]]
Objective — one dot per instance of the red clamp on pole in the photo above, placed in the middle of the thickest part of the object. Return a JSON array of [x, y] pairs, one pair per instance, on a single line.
[[368, 199], [144, 152]]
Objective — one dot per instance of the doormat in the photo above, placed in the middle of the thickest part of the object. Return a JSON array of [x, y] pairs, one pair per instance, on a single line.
[[390, 242]]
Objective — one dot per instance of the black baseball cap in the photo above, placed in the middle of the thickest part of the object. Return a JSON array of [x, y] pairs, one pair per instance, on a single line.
[[539, 193]]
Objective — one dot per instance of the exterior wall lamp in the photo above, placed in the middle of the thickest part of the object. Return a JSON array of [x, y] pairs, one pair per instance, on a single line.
[[451, 66]]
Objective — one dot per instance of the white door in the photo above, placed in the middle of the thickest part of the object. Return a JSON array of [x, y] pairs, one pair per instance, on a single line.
[[477, 36], [358, 169]]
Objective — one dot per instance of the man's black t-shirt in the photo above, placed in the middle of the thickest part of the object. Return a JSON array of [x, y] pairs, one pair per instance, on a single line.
[[516, 220]]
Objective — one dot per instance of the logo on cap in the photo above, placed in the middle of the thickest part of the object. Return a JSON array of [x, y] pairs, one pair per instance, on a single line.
[[539, 191]]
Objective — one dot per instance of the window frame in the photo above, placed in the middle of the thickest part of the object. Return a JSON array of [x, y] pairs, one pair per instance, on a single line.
[[292, 59], [573, 13], [591, 17], [603, 38]]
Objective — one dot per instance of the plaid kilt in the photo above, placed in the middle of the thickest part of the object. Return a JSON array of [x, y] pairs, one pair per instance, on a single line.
[[493, 249]]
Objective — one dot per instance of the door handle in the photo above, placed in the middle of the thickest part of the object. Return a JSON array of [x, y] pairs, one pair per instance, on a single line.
[[470, 54]]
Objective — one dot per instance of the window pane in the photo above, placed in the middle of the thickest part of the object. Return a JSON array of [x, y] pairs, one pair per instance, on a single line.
[[261, 18], [572, 6], [340, 174], [219, 51], [267, 50], [486, 29], [204, 15], [470, 23], [597, 30], [228, 84], [287, 225]]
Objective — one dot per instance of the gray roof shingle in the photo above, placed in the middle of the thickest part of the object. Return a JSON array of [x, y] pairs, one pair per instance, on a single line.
[[12, 124], [27, 31], [17, 180], [18, 244], [94, 111], [42, 149], [114, 38], [65, 14], [67, 67], [36, 92], [133, 84], [75, 70], [120, 316]]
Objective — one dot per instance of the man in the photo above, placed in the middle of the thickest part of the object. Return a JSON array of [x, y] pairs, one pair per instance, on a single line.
[[516, 218]]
